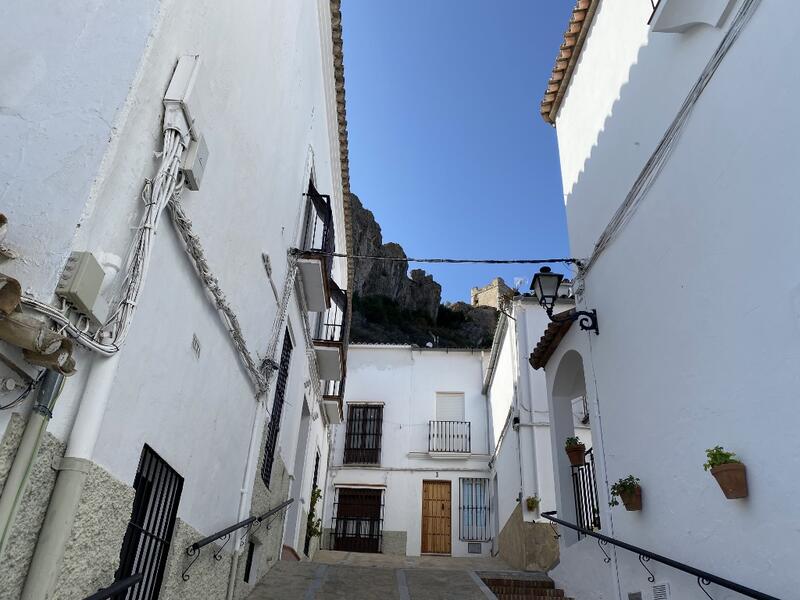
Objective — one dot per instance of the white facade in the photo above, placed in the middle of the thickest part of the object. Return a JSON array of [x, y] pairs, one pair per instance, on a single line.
[[522, 456], [690, 353], [405, 381], [81, 119]]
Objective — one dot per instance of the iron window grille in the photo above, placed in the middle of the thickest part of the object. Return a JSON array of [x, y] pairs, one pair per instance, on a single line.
[[145, 547], [357, 525], [363, 434], [473, 510], [277, 409], [584, 488], [331, 325]]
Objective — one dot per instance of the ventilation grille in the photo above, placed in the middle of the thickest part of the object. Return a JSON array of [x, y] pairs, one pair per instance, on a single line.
[[474, 548], [661, 591]]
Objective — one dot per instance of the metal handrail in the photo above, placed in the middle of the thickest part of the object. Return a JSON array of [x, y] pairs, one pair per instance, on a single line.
[[116, 587], [703, 578], [195, 548]]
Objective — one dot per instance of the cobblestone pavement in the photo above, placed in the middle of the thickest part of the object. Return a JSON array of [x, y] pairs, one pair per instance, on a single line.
[[354, 576]]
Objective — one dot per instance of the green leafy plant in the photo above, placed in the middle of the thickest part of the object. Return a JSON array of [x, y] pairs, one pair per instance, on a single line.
[[532, 502], [314, 525], [719, 456], [572, 442], [623, 487]]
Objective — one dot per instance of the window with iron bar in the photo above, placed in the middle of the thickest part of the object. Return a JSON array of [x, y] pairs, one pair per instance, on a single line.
[[473, 509], [277, 409], [363, 434]]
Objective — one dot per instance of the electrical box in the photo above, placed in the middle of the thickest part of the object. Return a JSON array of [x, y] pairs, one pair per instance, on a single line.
[[179, 99], [194, 163], [80, 285]]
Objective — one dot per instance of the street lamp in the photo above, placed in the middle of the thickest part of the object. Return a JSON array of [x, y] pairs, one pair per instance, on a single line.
[[545, 285]]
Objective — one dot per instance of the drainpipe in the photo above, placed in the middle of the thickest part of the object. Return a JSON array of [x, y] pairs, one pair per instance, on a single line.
[[72, 471], [18, 476], [246, 492], [523, 369]]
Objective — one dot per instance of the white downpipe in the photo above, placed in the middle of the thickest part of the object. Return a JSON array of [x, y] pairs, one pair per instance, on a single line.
[[524, 374], [246, 492], [89, 420]]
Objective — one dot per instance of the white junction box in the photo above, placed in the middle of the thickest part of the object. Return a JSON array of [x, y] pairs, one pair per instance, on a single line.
[[179, 102], [194, 163], [80, 285]]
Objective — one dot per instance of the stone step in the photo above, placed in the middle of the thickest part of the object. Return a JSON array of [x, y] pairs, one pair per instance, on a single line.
[[519, 586]]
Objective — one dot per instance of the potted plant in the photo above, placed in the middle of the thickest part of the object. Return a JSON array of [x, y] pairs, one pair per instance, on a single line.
[[728, 471], [576, 451], [532, 502], [629, 491]]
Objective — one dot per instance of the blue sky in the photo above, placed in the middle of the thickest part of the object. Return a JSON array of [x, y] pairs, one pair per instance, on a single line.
[[447, 147]]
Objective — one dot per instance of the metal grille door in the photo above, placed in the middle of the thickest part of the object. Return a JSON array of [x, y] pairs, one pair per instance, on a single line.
[[146, 545], [358, 525], [584, 487], [277, 409]]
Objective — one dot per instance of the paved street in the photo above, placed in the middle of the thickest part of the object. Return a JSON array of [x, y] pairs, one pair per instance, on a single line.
[[353, 576]]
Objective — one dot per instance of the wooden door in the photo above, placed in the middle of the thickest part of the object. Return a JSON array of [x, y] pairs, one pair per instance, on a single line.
[[436, 514]]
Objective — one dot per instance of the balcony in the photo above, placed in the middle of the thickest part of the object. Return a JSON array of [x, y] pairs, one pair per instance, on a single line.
[[329, 339], [315, 262], [449, 438], [332, 400]]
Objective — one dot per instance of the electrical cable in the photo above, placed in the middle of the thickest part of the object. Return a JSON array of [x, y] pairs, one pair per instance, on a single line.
[[648, 175], [458, 261]]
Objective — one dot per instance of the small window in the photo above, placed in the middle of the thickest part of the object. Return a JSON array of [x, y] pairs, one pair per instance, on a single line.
[[449, 406], [473, 510], [363, 435]]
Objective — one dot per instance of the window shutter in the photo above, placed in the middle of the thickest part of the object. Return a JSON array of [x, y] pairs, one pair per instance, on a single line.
[[449, 407]]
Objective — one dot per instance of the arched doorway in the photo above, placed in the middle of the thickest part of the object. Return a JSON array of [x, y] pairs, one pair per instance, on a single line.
[[576, 487]]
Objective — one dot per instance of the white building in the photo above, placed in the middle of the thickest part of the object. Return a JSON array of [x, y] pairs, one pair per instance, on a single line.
[[677, 135], [208, 400], [409, 472], [521, 463]]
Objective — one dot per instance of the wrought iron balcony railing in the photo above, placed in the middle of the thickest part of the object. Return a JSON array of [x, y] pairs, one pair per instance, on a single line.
[[333, 322], [449, 436], [318, 234]]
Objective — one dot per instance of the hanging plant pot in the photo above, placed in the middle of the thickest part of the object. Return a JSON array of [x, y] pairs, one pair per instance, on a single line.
[[577, 455], [633, 499], [732, 478]]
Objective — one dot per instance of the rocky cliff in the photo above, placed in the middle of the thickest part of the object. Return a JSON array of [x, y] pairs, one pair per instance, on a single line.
[[391, 305]]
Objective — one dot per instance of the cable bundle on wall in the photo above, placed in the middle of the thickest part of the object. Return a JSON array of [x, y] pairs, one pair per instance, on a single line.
[[658, 159]]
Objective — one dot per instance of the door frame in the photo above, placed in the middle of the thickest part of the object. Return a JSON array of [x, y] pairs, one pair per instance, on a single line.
[[422, 518]]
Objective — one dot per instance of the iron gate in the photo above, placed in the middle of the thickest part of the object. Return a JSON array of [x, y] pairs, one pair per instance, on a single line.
[[146, 544]]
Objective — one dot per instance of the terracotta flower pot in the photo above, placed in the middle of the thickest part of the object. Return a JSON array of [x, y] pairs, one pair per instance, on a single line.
[[577, 455], [632, 500], [732, 478]]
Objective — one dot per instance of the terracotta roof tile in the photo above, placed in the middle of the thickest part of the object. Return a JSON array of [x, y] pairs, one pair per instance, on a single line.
[[550, 339], [568, 54]]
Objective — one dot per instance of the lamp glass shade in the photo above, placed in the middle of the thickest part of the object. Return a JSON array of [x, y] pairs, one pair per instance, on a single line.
[[545, 285]]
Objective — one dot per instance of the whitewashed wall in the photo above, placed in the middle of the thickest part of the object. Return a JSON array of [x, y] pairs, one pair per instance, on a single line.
[[266, 108], [690, 354], [406, 380]]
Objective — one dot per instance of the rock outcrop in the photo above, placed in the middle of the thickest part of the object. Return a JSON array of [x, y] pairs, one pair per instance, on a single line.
[[417, 293], [391, 305]]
